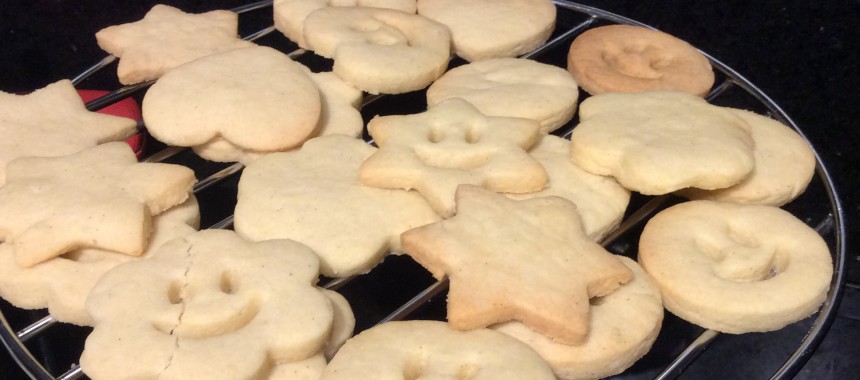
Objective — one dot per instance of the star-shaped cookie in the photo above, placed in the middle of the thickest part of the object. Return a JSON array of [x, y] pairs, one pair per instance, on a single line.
[[165, 38], [527, 260], [452, 144], [53, 121], [99, 198]]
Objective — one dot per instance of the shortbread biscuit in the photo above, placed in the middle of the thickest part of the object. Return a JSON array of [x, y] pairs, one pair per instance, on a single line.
[[600, 201], [380, 50], [452, 144], [784, 166], [528, 261], [484, 29], [628, 58], [623, 326], [165, 38], [736, 268], [511, 87], [312, 195], [290, 15], [208, 306], [432, 350], [256, 98], [659, 142], [52, 122], [62, 284], [98, 198]]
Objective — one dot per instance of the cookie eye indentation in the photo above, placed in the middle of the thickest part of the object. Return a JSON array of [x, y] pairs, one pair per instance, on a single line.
[[227, 283], [174, 293], [414, 368], [473, 136]]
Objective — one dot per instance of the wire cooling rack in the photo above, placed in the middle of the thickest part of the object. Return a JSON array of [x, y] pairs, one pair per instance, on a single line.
[[399, 289]]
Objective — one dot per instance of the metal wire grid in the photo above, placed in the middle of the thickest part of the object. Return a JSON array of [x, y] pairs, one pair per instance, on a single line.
[[831, 225]]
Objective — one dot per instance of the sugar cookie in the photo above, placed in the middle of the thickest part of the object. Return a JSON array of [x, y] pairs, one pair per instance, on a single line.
[[527, 260], [784, 166], [307, 194], [51, 122], [256, 98], [98, 198], [623, 326], [432, 350], [659, 142], [165, 38], [628, 58], [511, 87], [484, 29], [452, 144], [735, 268], [380, 50]]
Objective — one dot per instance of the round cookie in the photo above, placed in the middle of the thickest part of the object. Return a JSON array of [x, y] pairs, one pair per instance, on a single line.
[[784, 165], [624, 324], [627, 58], [511, 87], [735, 268], [484, 29], [432, 350]]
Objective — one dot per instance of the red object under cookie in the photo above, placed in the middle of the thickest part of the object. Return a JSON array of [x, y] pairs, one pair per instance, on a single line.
[[125, 108]]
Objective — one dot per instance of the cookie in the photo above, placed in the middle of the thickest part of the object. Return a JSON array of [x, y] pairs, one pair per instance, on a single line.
[[312, 195], [659, 142], [209, 305], [528, 261], [735, 268], [53, 121], [511, 87], [452, 144], [623, 326], [430, 349], [380, 50], [61, 284], [485, 29], [784, 166], [628, 58], [600, 201], [256, 98], [165, 38], [98, 198], [290, 15]]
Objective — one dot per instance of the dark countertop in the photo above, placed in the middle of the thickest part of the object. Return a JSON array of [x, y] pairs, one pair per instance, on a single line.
[[802, 54]]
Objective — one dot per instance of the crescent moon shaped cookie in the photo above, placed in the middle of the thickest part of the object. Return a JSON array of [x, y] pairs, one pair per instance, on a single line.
[[627, 58], [735, 268], [432, 350]]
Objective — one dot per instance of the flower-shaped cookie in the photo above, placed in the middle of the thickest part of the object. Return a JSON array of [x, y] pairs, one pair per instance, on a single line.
[[98, 198], [210, 306], [452, 144], [51, 122]]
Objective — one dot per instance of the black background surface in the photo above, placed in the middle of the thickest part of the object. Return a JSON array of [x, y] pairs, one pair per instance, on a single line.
[[801, 53]]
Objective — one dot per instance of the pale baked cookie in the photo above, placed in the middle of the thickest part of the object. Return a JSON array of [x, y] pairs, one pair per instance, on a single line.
[[380, 50], [62, 284], [600, 201], [662, 141], [290, 15], [165, 38], [627, 58], [736, 268], [528, 261], [209, 306], [623, 326], [484, 29], [98, 198], [452, 144], [511, 87], [51, 122], [312, 195], [432, 350], [256, 98], [784, 165]]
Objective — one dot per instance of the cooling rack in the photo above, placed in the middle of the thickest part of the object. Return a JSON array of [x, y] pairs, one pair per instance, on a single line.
[[398, 288]]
